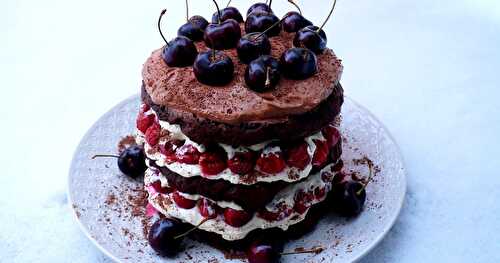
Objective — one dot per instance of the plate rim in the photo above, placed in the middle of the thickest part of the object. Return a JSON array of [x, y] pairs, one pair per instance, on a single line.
[[379, 237]]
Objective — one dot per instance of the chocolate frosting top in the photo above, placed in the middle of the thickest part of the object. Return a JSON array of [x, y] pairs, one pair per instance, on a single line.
[[234, 103]]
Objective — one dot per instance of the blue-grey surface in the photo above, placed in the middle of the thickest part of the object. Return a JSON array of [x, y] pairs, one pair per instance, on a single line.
[[428, 69]]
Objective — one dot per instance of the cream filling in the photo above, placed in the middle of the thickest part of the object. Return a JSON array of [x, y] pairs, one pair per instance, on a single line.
[[217, 225], [289, 174]]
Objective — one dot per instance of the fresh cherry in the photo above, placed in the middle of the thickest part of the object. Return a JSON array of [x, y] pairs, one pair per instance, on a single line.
[[131, 162], [182, 201], [180, 52], [253, 45], [262, 252], [260, 21], [260, 7], [242, 163], [349, 197], [227, 13], [262, 74], [313, 37], [194, 28], [162, 235], [236, 218], [222, 34], [213, 68], [297, 156], [212, 163], [294, 21], [298, 63]]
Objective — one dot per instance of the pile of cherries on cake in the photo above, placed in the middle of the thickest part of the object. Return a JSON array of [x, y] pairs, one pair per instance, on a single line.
[[263, 72]]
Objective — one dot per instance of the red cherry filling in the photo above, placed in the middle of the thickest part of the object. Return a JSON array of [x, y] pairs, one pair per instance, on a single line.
[[297, 156], [242, 163], [207, 208], [321, 153], [236, 218], [212, 163], [319, 193], [283, 212], [302, 200], [143, 122], [187, 154], [183, 202], [159, 189], [145, 107], [271, 163], [332, 135], [153, 134], [169, 151]]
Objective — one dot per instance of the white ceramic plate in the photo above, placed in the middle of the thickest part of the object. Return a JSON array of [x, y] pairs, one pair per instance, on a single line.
[[109, 208]]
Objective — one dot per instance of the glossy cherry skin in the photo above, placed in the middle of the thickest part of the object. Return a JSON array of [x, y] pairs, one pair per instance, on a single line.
[[249, 47], [161, 237], [346, 199], [262, 74], [194, 29], [227, 13], [260, 21], [132, 161], [294, 21], [262, 252], [298, 63], [259, 7], [213, 70], [181, 52], [309, 38], [222, 36]]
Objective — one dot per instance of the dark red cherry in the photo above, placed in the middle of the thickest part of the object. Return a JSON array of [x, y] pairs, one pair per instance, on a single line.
[[180, 52], [294, 21], [260, 21], [298, 63], [227, 13], [252, 46], [222, 36], [259, 7], [309, 37], [213, 68], [194, 29], [132, 161], [262, 74], [348, 198], [162, 235], [262, 252]]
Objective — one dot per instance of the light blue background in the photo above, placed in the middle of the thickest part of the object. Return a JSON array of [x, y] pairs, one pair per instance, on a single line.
[[428, 69]]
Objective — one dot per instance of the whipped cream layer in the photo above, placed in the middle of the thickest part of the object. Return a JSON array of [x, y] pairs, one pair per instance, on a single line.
[[283, 204], [288, 174]]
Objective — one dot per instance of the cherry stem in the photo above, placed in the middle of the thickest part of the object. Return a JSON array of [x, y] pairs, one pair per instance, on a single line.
[[328, 17], [269, 28], [270, 3], [192, 229], [370, 168], [296, 5], [312, 250], [187, 11], [105, 155], [218, 11], [159, 27], [229, 2]]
